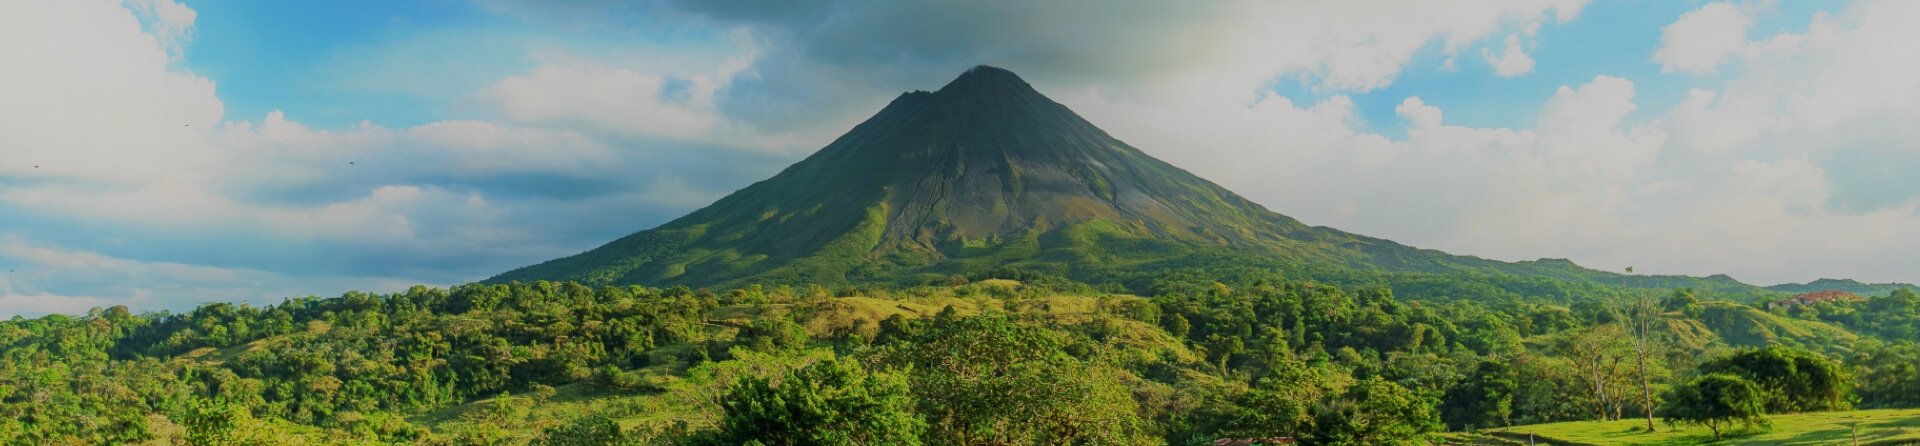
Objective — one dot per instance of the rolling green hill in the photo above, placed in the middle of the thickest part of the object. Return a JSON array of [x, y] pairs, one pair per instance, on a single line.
[[1747, 326]]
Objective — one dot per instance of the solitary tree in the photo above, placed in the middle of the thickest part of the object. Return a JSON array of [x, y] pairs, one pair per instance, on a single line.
[[1598, 356], [1644, 325], [1793, 380], [831, 402], [1715, 401]]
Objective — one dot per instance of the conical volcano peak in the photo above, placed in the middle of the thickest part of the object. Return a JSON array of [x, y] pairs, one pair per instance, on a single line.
[[990, 72], [983, 79], [984, 170]]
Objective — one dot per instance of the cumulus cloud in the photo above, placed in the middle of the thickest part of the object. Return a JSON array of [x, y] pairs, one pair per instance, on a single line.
[[1505, 193], [1513, 61], [84, 65], [169, 20], [614, 100], [120, 158], [1842, 94], [1701, 40], [1814, 124], [1787, 172]]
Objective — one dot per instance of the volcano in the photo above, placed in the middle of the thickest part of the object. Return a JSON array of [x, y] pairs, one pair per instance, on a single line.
[[985, 174]]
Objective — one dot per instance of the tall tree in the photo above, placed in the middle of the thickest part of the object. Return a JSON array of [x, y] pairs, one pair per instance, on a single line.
[[1597, 355], [1644, 321]]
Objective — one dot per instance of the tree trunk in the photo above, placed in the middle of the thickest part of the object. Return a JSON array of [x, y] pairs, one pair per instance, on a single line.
[[1644, 315], [1646, 392], [1640, 318], [1600, 401]]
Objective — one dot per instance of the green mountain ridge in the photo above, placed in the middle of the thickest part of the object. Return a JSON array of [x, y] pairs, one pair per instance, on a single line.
[[1848, 285], [988, 174]]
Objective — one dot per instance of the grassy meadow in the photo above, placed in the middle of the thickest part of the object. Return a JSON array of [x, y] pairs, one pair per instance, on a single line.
[[1876, 427]]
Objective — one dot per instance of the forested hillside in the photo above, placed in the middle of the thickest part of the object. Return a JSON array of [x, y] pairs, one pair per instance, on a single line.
[[991, 359], [1847, 285]]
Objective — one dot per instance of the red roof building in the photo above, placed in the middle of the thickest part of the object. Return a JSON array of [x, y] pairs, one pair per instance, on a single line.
[[1813, 297]]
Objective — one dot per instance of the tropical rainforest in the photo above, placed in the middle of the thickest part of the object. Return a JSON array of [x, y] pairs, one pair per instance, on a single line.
[[992, 359]]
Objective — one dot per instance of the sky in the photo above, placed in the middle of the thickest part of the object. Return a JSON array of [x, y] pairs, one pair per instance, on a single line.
[[160, 154]]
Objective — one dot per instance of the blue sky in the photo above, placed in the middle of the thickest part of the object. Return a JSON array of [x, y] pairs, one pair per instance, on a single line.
[[162, 153], [270, 56]]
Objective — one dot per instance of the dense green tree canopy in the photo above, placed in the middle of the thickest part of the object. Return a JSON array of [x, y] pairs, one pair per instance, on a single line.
[[988, 380], [1792, 380], [1484, 398], [1716, 401], [986, 360], [831, 402]]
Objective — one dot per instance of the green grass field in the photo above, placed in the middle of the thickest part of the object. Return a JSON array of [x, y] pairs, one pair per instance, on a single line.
[[1876, 427]]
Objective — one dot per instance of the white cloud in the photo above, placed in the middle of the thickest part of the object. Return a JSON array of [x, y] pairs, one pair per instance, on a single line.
[[1707, 123], [614, 100], [170, 20], [1581, 132], [1795, 169], [1348, 46], [81, 66], [1513, 61], [1701, 40], [1847, 84], [1418, 114], [1585, 183], [1814, 126]]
